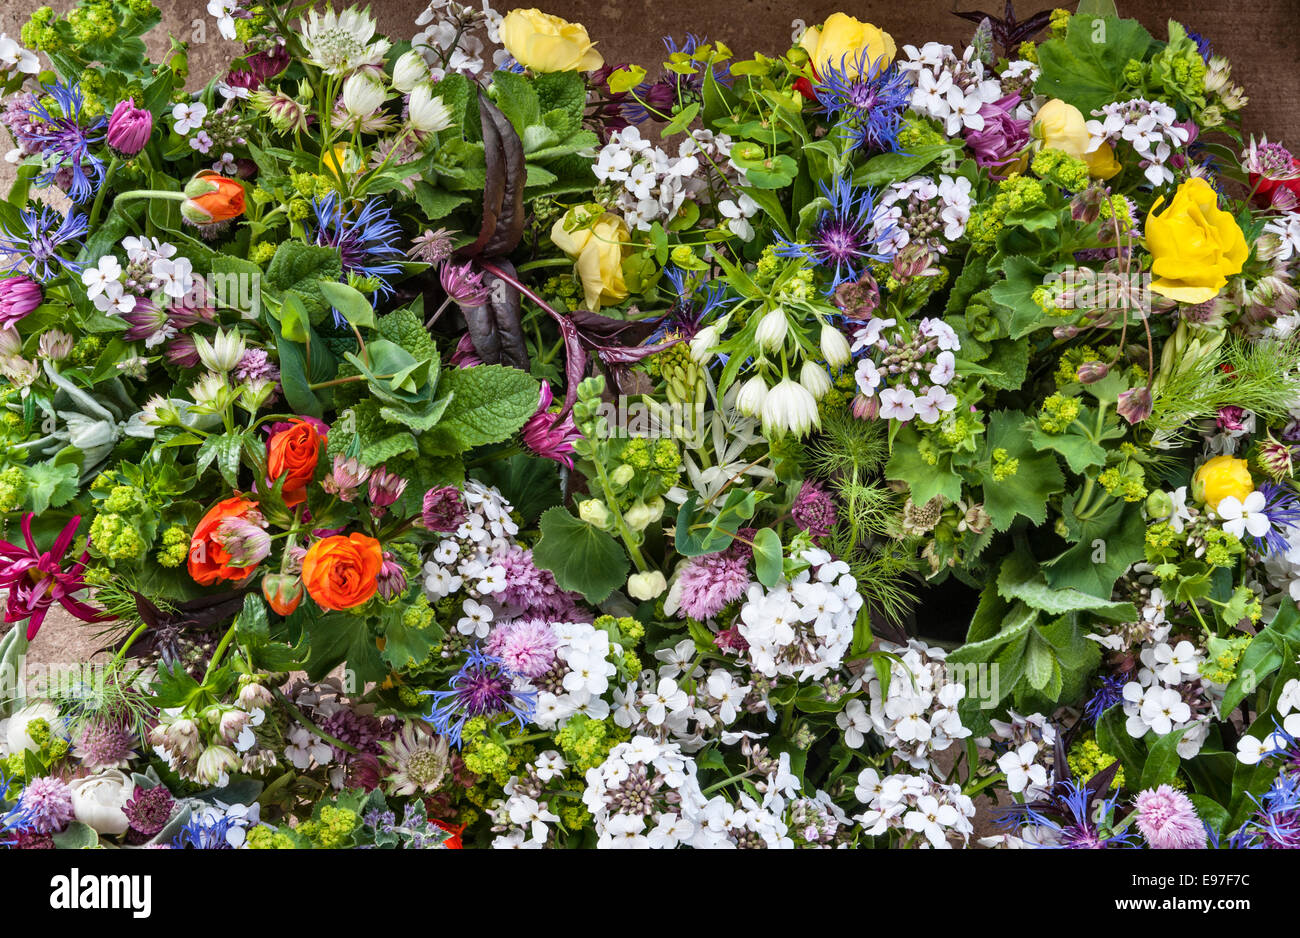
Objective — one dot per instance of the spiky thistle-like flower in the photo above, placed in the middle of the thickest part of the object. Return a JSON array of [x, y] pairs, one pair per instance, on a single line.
[[483, 687], [366, 241], [868, 97], [65, 140], [846, 235], [37, 243]]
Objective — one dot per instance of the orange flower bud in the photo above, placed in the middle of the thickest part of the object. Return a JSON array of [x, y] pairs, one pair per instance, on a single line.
[[211, 198], [282, 592]]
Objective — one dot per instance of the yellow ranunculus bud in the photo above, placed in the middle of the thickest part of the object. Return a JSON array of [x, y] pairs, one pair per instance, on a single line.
[[598, 249], [840, 40], [341, 161], [1220, 477], [1194, 246], [1061, 126], [545, 43]]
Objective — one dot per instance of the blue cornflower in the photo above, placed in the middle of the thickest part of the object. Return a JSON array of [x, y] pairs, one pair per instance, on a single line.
[[1068, 810], [483, 687], [368, 242], [870, 103], [37, 247], [64, 141], [1202, 45], [696, 306], [204, 832], [846, 235], [1110, 693], [1282, 508], [1276, 825]]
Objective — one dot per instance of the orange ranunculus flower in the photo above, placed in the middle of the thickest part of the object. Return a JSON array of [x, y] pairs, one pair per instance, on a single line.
[[282, 591], [211, 198], [209, 560], [293, 453], [341, 572]]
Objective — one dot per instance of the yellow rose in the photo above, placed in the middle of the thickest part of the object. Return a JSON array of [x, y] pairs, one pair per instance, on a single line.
[[598, 250], [545, 43], [1195, 247], [1220, 477], [1060, 126], [840, 40]]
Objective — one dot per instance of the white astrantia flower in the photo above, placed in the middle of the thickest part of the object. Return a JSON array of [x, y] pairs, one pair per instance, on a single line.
[[223, 352], [363, 94], [426, 111], [341, 43], [789, 408]]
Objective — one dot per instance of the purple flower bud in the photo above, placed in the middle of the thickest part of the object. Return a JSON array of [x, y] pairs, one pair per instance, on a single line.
[[129, 128], [1135, 404], [1065, 332], [1090, 372], [182, 352], [19, 295], [385, 488], [463, 285], [392, 578]]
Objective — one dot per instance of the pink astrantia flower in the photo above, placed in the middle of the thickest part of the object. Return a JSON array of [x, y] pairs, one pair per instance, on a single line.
[[1168, 820], [549, 436], [37, 579]]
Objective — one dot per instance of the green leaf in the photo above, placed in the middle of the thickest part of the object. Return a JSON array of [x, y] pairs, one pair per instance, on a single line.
[[301, 267], [252, 624], [1162, 760], [350, 302], [488, 403], [1022, 578], [1080, 452], [1026, 491], [767, 556], [517, 99], [436, 204], [923, 479], [583, 558], [1113, 737], [893, 167], [1015, 291], [50, 485], [76, 836], [1086, 68], [1108, 544]]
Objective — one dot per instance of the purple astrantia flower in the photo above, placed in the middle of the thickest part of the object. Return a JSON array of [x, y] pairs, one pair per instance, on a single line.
[[105, 743], [443, 509], [148, 810], [1168, 820], [37, 579], [547, 435], [464, 355], [711, 581], [345, 478], [483, 687], [19, 295], [845, 237], [36, 244], [65, 142], [148, 323], [869, 99], [462, 285], [1282, 508], [182, 352], [385, 488], [1002, 137], [366, 241], [47, 803], [129, 128], [813, 510], [525, 646]]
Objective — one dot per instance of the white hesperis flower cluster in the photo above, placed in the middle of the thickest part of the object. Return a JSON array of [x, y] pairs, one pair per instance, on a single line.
[[653, 186], [1167, 692], [949, 89], [460, 35], [1250, 749], [645, 794], [462, 560], [1029, 749], [917, 716], [924, 211], [905, 372], [1151, 127], [659, 706], [521, 819], [580, 677], [801, 628], [917, 806]]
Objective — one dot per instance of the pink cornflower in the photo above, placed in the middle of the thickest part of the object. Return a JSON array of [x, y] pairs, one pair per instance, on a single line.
[[37, 579], [1168, 820], [549, 436], [525, 646], [711, 581]]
